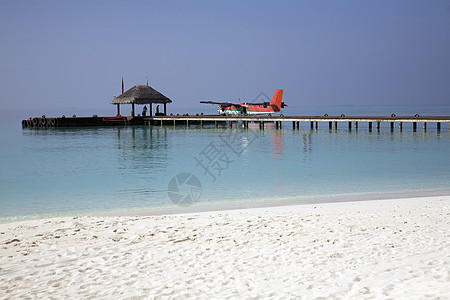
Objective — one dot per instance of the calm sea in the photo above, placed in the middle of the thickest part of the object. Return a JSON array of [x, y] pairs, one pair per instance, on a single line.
[[153, 169]]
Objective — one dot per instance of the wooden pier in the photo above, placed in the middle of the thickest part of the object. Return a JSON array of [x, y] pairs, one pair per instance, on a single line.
[[74, 121], [330, 122], [313, 122]]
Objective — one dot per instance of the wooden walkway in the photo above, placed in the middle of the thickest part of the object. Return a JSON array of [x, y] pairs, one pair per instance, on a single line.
[[331, 121], [279, 121]]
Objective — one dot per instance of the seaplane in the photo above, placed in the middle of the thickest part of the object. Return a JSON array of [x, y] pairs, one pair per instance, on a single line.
[[248, 109]]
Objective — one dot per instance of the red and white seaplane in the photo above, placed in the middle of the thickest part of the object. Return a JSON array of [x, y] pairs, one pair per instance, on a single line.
[[246, 109]]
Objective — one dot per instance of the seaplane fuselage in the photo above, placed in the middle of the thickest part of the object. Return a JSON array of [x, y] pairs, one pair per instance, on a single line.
[[251, 109]]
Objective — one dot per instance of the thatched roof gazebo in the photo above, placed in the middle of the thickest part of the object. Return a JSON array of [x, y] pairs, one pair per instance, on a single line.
[[140, 94]]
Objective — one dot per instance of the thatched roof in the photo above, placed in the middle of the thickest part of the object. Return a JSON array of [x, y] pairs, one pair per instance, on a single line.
[[141, 94]]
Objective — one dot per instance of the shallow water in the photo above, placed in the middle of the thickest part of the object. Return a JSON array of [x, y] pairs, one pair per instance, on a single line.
[[115, 170]]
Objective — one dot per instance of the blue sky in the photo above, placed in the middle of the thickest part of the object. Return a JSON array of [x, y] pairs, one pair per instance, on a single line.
[[61, 54]]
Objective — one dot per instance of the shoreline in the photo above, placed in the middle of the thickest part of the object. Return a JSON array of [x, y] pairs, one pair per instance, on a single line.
[[379, 248], [210, 206]]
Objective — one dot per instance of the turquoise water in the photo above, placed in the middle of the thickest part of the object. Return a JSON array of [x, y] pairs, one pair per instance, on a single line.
[[122, 170]]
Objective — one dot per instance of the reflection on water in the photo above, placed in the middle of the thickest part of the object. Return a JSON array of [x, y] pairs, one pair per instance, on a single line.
[[307, 141], [277, 145], [143, 147]]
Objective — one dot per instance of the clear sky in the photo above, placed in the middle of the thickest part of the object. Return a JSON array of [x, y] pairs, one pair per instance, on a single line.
[[63, 54]]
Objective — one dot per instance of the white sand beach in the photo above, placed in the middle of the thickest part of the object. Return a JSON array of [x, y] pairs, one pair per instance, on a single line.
[[371, 249]]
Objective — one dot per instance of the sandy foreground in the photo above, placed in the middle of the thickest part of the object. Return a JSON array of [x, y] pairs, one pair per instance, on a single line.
[[372, 249]]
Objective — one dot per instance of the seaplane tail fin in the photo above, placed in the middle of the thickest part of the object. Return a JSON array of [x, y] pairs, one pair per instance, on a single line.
[[276, 99]]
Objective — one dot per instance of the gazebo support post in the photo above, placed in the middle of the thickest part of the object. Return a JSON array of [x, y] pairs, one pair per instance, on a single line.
[[132, 110], [151, 109], [165, 109], [118, 109]]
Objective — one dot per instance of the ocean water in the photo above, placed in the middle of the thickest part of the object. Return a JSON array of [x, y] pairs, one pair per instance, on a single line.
[[153, 169]]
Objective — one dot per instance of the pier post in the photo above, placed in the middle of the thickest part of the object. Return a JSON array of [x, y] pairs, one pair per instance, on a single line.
[[246, 124], [298, 125], [424, 126], [378, 126], [438, 126], [392, 126], [280, 124], [330, 125], [174, 123], [316, 125], [335, 125], [161, 123], [370, 126], [276, 124], [312, 124], [414, 126], [400, 126], [201, 123], [231, 124], [215, 123], [261, 125], [350, 125], [356, 125], [293, 124]]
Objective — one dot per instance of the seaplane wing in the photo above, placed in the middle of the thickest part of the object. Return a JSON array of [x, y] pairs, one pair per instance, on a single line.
[[223, 104]]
